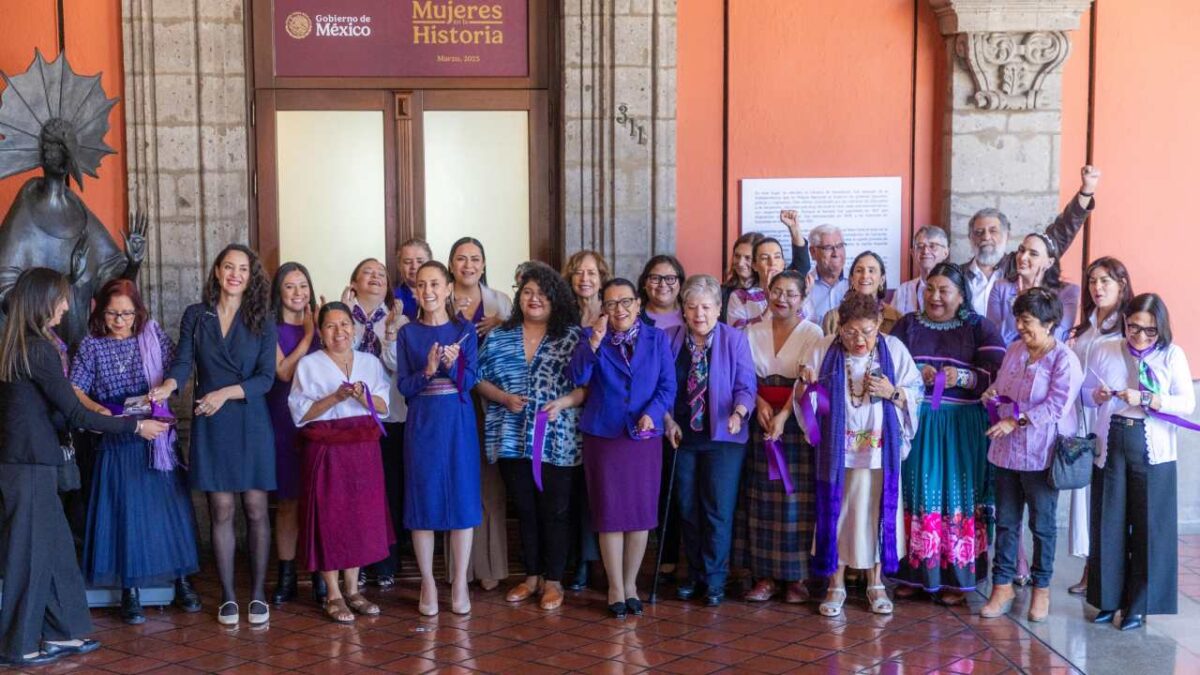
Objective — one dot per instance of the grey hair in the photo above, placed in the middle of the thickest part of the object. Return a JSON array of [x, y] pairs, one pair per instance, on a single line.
[[701, 283], [990, 213], [818, 233], [931, 232]]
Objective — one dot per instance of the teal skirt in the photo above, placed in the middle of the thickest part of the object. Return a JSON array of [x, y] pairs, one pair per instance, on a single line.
[[948, 500]]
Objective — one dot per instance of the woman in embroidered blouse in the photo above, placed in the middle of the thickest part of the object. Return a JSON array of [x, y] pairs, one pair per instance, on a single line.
[[229, 340], [947, 486], [775, 532], [523, 371], [140, 528], [1035, 392], [586, 271], [874, 395], [868, 276], [1109, 292], [1037, 264], [626, 366], [336, 400], [1140, 386], [658, 290]]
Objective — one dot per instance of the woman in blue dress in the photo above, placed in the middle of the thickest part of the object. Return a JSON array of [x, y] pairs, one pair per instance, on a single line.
[[140, 526], [436, 367], [230, 341]]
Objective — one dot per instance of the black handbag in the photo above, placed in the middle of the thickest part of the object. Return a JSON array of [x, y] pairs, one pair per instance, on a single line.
[[1071, 462], [69, 478]]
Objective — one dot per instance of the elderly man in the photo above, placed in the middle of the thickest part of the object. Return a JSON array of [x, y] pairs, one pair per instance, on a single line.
[[989, 230], [828, 250], [930, 247]]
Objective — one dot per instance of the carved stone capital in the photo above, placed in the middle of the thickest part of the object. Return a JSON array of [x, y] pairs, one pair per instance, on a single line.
[[993, 16], [1009, 68]]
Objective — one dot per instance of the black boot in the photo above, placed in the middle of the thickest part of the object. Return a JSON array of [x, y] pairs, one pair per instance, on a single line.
[[186, 597], [580, 580], [319, 588], [285, 589], [131, 607]]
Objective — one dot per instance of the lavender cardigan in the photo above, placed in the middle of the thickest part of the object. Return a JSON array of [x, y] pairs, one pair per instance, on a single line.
[[731, 378]]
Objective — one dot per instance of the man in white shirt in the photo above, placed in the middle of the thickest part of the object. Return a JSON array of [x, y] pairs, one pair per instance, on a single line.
[[930, 247], [828, 250]]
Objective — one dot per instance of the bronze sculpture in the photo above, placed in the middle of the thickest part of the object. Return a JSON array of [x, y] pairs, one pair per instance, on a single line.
[[53, 118]]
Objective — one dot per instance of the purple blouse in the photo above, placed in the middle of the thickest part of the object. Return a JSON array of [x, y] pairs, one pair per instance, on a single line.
[[1046, 392]]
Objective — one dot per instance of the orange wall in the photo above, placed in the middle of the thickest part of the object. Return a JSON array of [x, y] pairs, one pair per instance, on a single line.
[[93, 38]]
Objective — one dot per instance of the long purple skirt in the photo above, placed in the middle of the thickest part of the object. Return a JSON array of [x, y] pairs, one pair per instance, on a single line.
[[623, 477]]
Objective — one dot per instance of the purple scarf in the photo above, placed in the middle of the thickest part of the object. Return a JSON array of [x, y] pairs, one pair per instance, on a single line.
[[624, 341], [831, 460], [162, 449], [1148, 381], [370, 341]]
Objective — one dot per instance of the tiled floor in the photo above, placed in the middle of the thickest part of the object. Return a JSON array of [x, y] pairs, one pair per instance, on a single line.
[[672, 637]]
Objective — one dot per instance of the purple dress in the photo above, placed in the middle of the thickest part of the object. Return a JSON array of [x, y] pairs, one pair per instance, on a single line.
[[287, 452]]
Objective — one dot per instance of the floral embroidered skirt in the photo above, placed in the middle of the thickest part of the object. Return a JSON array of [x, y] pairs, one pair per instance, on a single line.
[[948, 500]]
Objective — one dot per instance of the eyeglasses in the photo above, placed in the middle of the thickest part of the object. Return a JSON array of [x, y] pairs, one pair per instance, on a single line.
[[852, 334], [830, 248], [668, 279], [1133, 330], [625, 303], [777, 293], [529, 294], [127, 315], [929, 247]]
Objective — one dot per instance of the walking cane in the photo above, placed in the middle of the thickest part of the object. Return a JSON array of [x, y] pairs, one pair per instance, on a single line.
[[662, 529]]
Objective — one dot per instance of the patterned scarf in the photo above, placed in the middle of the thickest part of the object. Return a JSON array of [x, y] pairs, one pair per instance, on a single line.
[[1148, 381], [370, 341], [624, 341], [697, 380], [831, 462], [162, 448]]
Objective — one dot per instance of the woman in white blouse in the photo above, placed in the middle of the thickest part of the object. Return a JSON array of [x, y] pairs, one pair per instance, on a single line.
[[1143, 388]]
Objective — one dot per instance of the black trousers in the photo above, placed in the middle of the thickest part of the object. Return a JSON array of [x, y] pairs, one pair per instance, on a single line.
[[544, 518], [1134, 558], [44, 597], [392, 447]]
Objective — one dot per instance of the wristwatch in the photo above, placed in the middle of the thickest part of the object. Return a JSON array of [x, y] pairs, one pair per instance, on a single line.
[[895, 395], [1147, 399], [1022, 420]]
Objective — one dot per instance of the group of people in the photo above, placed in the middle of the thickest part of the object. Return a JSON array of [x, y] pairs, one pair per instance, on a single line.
[[802, 422]]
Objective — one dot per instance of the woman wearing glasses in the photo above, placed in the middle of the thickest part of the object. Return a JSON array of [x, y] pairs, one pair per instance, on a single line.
[[1141, 386], [627, 367], [874, 391], [1034, 394], [141, 529], [658, 290], [931, 247]]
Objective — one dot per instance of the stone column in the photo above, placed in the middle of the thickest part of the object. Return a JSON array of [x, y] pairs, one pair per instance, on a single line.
[[186, 131], [1003, 123], [619, 129]]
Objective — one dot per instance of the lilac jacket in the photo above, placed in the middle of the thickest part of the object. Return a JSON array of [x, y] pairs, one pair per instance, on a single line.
[[731, 378], [1046, 392], [619, 394]]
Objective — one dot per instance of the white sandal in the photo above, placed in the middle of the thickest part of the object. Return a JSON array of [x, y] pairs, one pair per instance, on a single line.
[[834, 599], [880, 605], [228, 619]]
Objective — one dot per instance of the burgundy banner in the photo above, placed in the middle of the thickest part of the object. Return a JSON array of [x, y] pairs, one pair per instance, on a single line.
[[401, 38]]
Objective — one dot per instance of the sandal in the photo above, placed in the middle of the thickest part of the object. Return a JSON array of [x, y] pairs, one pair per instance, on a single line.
[[336, 609], [834, 599], [361, 605], [258, 618], [228, 619], [881, 604], [763, 591]]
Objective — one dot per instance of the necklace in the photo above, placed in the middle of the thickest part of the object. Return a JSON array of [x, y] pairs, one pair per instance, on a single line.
[[345, 365], [859, 398]]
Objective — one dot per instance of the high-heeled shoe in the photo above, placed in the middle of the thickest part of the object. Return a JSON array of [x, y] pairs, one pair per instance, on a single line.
[[428, 608], [634, 605], [460, 608], [618, 610], [1104, 616], [1132, 621]]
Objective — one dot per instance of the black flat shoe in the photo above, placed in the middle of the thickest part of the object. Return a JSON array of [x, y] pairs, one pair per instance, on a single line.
[[714, 599], [618, 610], [41, 659], [86, 647], [131, 607], [578, 582], [1105, 616], [285, 589], [1133, 622], [634, 605], [319, 588], [186, 597], [685, 591]]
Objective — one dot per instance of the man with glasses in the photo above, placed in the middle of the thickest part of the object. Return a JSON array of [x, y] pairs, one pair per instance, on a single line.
[[989, 228], [828, 249], [931, 246]]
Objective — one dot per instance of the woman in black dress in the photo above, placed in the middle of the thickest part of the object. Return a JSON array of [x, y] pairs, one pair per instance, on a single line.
[[45, 609], [230, 340]]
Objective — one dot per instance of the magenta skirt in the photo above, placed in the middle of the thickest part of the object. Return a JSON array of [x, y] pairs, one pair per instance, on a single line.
[[344, 519], [623, 477]]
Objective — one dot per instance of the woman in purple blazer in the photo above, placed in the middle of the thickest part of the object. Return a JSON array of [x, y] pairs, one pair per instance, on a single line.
[[715, 391], [627, 367]]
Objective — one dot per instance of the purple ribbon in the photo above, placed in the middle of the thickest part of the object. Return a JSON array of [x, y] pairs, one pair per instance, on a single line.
[[370, 406], [939, 388], [810, 411], [162, 455], [539, 440], [993, 408], [777, 464], [1148, 381]]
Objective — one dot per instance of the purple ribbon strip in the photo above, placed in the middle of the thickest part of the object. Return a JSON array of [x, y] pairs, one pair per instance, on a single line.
[[370, 406], [810, 412], [777, 465], [539, 441], [939, 389], [162, 449], [460, 375], [993, 408]]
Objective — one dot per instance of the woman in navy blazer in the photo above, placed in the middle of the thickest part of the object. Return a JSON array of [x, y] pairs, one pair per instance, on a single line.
[[715, 391], [628, 370], [230, 341]]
